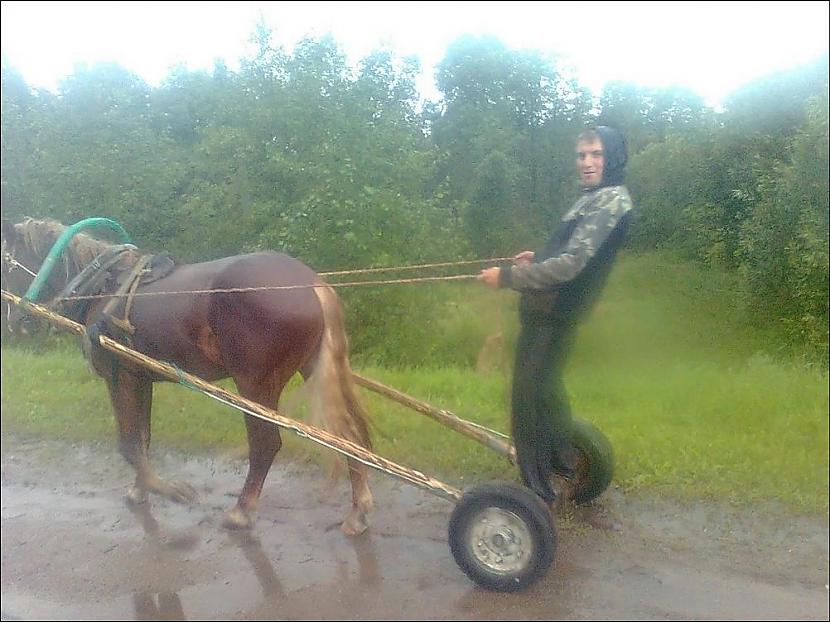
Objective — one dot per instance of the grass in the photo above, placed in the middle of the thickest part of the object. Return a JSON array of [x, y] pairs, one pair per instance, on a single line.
[[698, 400]]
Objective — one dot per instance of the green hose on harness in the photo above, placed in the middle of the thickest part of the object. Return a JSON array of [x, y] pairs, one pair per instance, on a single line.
[[60, 245]]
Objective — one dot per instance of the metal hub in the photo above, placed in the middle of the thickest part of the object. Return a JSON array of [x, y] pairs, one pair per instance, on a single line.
[[500, 541]]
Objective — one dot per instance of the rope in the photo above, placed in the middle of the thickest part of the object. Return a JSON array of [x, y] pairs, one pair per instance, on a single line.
[[416, 267], [182, 377], [239, 290], [11, 260], [236, 290]]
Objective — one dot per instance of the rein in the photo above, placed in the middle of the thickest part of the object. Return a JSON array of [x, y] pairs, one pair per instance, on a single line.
[[74, 289], [234, 290], [9, 259]]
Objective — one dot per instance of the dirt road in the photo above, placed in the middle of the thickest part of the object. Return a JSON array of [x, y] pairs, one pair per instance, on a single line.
[[72, 549]]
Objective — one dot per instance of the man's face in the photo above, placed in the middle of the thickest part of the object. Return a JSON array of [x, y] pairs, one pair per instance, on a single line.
[[590, 162]]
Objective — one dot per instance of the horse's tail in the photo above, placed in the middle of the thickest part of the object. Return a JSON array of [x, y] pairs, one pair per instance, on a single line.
[[333, 401]]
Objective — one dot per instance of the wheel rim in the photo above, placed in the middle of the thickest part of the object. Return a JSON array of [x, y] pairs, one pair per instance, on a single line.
[[500, 541]]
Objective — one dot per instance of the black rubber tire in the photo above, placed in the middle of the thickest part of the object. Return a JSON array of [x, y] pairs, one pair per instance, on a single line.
[[598, 457], [522, 504]]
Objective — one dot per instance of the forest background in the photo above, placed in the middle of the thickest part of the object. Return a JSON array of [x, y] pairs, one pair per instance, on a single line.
[[345, 168]]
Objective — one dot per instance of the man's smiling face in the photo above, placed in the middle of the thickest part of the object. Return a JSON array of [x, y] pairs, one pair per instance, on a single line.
[[590, 162]]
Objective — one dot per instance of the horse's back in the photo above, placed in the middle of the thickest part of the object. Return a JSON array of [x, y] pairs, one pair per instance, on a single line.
[[265, 278], [261, 270], [243, 311]]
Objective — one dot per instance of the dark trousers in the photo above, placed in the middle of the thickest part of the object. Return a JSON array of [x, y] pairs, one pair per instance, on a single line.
[[541, 412]]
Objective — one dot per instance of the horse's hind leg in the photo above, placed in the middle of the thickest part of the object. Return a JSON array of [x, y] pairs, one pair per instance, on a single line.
[[357, 522], [336, 409], [263, 442], [131, 395]]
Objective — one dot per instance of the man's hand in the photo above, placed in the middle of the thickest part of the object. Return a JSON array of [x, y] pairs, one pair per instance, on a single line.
[[490, 277], [524, 257]]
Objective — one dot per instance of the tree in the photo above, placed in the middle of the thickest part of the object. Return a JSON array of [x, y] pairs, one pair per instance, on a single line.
[[22, 124], [516, 104]]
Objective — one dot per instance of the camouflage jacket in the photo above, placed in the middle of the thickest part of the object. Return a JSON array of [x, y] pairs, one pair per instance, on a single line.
[[591, 220]]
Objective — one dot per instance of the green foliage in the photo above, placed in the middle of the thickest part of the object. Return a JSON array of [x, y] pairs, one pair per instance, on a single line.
[[492, 215], [677, 192], [343, 168], [410, 326], [750, 194], [784, 243], [506, 129], [649, 116]]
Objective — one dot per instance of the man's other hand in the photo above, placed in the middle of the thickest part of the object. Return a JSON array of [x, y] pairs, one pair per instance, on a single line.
[[524, 257]]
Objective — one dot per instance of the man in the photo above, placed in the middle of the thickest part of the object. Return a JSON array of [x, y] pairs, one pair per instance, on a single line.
[[558, 286]]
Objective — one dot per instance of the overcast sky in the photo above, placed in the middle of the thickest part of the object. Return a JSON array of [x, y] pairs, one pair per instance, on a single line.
[[710, 47]]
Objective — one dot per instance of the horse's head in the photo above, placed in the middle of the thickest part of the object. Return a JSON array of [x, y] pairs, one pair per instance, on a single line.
[[19, 265], [25, 246], [21, 259]]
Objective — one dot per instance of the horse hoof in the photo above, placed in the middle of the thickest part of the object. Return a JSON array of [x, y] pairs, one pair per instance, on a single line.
[[237, 519], [136, 495], [354, 525]]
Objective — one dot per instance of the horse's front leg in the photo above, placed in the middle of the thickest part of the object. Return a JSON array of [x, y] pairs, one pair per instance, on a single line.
[[131, 394], [263, 442]]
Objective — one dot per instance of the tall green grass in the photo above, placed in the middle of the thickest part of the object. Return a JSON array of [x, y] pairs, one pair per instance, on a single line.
[[698, 400]]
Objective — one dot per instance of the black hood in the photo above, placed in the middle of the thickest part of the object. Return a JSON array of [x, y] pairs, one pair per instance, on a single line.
[[616, 156]]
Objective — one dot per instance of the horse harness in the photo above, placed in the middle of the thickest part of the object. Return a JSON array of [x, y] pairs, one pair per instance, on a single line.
[[99, 275]]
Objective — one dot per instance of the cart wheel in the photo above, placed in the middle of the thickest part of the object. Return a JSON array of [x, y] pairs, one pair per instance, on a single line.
[[502, 536], [597, 464]]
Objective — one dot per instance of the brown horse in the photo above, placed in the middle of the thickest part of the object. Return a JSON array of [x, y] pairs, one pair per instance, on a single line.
[[260, 338]]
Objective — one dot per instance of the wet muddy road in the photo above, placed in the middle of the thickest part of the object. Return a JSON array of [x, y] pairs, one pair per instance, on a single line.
[[72, 549]]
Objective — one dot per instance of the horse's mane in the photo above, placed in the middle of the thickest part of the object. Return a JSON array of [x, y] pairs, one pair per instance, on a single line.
[[40, 235]]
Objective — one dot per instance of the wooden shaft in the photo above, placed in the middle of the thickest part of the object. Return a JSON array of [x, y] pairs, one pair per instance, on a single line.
[[486, 437], [315, 434]]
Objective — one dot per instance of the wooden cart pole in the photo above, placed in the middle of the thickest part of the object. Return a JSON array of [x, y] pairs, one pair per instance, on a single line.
[[490, 438], [174, 374]]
